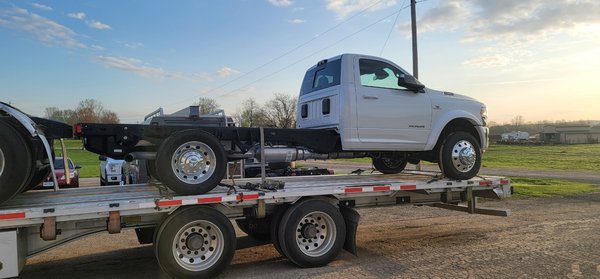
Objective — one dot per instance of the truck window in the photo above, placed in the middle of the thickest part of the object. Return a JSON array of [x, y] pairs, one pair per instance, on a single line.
[[379, 74], [321, 77]]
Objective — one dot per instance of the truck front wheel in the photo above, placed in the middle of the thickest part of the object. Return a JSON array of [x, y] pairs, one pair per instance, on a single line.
[[191, 162], [388, 165], [15, 162], [460, 156]]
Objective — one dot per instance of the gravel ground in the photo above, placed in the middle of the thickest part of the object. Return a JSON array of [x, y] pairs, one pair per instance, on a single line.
[[544, 238]]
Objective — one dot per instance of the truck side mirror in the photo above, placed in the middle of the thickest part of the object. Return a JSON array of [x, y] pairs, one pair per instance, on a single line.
[[410, 82]]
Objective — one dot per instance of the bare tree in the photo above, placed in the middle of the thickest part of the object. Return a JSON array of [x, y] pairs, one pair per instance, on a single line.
[[281, 111], [88, 111], [207, 105], [55, 113], [517, 121], [252, 114]]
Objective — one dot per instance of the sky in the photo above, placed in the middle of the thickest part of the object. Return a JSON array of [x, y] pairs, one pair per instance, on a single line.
[[539, 59]]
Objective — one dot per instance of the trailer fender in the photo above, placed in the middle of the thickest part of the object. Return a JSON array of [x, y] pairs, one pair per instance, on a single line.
[[351, 217]]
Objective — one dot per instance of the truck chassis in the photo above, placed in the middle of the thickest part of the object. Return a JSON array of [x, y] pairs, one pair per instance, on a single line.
[[310, 220]]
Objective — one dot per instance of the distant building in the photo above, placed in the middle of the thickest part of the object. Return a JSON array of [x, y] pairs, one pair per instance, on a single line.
[[515, 136], [570, 134]]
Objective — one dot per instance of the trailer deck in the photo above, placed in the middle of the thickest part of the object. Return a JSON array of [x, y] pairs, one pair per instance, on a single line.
[[39, 220]]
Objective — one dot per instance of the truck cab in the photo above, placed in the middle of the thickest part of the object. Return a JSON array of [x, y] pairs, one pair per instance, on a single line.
[[376, 105]]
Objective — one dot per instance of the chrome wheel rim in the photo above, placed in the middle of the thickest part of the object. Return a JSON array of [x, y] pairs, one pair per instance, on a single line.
[[198, 245], [193, 162], [315, 234], [1, 162], [463, 156]]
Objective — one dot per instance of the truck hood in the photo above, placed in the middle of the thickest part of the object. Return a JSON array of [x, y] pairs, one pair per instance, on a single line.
[[451, 95]]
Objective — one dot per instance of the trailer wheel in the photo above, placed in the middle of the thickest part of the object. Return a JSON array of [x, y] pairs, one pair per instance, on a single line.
[[15, 162], [274, 227], [255, 228], [388, 165], [460, 156], [191, 162], [312, 233], [197, 242]]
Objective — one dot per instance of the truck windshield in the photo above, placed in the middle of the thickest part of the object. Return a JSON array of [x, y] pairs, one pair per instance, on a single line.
[[321, 77]]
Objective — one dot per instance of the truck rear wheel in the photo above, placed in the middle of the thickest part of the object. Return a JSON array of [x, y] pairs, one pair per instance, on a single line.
[[15, 162], [460, 156], [312, 233], [197, 242], [191, 162], [388, 165]]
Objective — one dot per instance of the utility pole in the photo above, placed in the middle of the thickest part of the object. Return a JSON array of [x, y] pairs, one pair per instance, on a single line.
[[413, 12], [415, 58]]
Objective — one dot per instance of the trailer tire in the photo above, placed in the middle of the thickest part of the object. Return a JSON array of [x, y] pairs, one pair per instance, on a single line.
[[16, 168], [274, 227], [460, 156], [38, 177], [197, 242], [389, 166], [191, 162], [312, 233]]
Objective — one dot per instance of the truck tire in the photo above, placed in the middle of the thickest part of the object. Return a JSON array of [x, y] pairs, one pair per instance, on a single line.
[[389, 166], [460, 156], [16, 167], [196, 242], [191, 162], [151, 167], [255, 227], [312, 233], [38, 177]]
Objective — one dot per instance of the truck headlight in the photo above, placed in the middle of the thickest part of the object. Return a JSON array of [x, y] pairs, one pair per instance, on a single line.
[[114, 168], [483, 113]]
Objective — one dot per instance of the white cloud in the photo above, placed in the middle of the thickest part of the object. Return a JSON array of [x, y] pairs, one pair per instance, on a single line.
[[42, 29], [281, 3], [41, 6], [98, 25], [133, 45], [513, 26], [78, 15], [345, 7], [137, 66], [226, 71], [97, 47], [297, 21]]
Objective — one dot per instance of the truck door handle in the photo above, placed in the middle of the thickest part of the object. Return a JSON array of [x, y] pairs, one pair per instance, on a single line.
[[370, 97]]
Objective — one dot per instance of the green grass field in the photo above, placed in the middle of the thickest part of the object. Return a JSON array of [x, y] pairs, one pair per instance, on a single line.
[[584, 157], [88, 161], [544, 187]]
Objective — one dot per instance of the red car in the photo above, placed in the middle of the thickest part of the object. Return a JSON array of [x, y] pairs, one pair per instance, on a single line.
[[59, 170]]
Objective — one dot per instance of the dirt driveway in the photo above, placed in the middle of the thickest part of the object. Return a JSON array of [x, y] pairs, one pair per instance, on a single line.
[[545, 238]]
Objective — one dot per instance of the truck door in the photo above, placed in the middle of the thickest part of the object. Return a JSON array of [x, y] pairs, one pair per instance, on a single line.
[[388, 113]]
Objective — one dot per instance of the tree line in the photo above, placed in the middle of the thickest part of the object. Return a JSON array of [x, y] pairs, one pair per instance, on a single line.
[[277, 112], [87, 111]]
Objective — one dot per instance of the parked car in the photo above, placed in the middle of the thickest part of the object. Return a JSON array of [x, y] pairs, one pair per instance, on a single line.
[[59, 170], [111, 171]]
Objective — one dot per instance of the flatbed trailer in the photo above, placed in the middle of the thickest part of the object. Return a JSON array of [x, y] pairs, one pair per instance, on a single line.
[[309, 221]]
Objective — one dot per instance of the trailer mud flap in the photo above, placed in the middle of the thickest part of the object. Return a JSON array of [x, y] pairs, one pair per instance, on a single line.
[[352, 218]]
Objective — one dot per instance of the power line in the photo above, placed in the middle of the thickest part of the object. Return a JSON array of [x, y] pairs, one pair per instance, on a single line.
[[285, 53], [313, 53], [391, 29]]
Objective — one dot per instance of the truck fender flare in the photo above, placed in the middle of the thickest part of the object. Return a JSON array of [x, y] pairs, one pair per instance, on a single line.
[[444, 120], [25, 121]]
